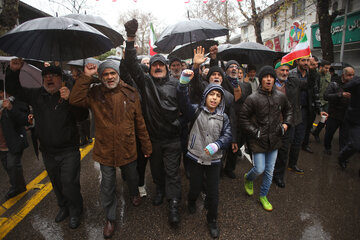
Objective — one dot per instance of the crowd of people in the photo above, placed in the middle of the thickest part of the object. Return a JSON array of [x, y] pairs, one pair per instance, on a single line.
[[165, 112]]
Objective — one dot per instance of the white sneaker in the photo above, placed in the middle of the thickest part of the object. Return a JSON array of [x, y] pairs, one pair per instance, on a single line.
[[142, 191]]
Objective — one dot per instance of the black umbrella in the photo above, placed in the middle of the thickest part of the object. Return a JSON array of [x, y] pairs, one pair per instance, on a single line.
[[54, 39], [188, 31], [187, 50], [100, 24], [249, 53]]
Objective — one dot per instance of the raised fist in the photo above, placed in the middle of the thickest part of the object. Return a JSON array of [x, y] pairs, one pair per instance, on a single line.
[[131, 27]]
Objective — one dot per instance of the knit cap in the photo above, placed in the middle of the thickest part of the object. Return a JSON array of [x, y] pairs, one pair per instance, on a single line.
[[109, 64], [265, 70], [215, 69], [231, 62]]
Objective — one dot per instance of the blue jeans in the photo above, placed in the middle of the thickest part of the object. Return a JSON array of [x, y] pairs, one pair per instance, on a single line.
[[263, 162]]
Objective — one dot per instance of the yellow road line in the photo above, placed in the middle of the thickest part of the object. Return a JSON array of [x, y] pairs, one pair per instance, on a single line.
[[7, 224], [9, 203]]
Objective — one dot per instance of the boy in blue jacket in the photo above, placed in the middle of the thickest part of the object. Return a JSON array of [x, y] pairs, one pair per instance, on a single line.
[[210, 133]]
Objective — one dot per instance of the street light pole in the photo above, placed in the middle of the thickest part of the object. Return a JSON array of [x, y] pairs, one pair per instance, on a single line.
[[344, 32]]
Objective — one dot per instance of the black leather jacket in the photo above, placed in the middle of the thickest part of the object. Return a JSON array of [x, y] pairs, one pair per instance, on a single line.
[[261, 119], [159, 102]]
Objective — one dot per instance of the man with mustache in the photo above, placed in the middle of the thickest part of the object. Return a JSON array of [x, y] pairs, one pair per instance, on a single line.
[[58, 135], [161, 114], [118, 120]]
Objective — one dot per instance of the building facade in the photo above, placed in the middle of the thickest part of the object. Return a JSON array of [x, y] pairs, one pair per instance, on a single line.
[[283, 27]]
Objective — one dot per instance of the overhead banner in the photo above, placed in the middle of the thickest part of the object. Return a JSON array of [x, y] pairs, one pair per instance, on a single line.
[[352, 33]]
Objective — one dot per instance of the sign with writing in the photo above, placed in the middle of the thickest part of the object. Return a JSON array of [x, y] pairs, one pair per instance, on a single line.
[[274, 44], [352, 32], [293, 36]]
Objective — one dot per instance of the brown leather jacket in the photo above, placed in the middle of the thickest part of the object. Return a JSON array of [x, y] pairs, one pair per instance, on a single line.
[[118, 121], [261, 119]]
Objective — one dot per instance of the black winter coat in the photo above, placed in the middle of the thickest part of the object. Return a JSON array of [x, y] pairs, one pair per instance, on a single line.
[[337, 103], [159, 103], [313, 96], [55, 119], [13, 125], [293, 88], [353, 111], [260, 118]]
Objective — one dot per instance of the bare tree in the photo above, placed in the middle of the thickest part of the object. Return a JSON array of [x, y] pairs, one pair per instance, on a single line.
[[325, 21], [220, 12], [143, 33], [254, 15], [9, 15], [73, 6]]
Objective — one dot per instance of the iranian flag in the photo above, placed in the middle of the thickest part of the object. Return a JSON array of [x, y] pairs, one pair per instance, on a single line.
[[152, 40], [302, 49]]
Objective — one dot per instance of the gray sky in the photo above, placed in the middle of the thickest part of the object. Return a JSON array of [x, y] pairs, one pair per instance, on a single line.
[[166, 11]]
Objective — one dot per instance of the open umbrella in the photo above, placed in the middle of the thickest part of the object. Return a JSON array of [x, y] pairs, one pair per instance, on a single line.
[[188, 31], [187, 50], [100, 24], [249, 53], [54, 39], [30, 76]]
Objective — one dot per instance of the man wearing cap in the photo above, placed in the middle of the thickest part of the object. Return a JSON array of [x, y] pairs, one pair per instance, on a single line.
[[240, 90], [117, 113], [161, 114], [175, 67], [57, 132], [291, 86]]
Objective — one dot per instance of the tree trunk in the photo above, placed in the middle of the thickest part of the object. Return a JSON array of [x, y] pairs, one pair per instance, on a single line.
[[325, 21], [9, 15], [257, 27]]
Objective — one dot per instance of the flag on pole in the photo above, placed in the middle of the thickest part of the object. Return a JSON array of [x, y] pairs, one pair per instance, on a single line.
[[152, 40], [302, 49]]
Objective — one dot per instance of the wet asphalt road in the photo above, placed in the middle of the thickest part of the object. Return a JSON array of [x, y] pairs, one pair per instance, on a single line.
[[322, 204]]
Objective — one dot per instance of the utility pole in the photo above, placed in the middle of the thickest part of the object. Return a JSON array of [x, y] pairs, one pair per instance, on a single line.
[[344, 32]]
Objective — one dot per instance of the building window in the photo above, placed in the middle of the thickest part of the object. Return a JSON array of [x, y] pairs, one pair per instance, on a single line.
[[262, 25], [245, 32], [335, 6], [274, 20], [298, 8], [353, 5]]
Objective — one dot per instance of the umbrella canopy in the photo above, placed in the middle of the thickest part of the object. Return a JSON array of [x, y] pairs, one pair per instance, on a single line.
[[30, 76], [249, 53], [100, 24], [54, 39], [188, 31], [186, 51], [83, 62]]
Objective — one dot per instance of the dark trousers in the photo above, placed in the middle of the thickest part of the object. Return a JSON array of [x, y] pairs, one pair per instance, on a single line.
[[84, 131], [332, 125], [283, 154], [141, 164], [108, 186], [309, 120], [164, 165], [212, 174], [231, 156], [353, 144], [299, 134], [12, 165], [64, 173]]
